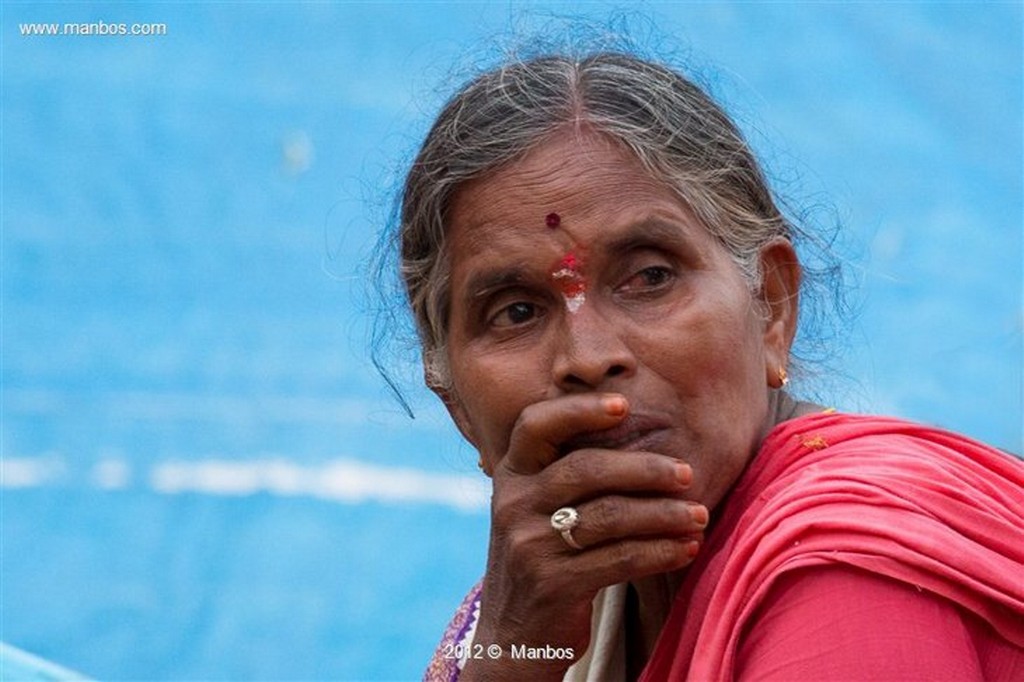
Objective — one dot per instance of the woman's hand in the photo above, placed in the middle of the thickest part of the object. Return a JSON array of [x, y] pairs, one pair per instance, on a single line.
[[634, 522]]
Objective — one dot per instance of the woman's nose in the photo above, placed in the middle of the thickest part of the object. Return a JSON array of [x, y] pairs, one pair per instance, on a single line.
[[591, 352]]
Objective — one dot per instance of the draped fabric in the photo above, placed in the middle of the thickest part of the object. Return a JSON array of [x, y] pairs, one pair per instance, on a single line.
[[921, 506], [828, 498]]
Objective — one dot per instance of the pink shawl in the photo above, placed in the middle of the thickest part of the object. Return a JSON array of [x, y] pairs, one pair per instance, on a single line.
[[926, 507]]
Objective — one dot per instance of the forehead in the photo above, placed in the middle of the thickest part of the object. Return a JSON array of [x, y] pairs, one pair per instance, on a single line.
[[597, 187], [575, 176]]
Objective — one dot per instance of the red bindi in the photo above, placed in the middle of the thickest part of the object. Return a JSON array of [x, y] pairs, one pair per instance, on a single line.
[[553, 220]]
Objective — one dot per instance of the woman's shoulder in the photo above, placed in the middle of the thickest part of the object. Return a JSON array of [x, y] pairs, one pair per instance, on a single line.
[[844, 427], [908, 502], [878, 447], [846, 472], [878, 500]]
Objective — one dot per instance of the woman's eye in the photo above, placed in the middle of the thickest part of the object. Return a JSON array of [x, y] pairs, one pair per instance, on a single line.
[[649, 278], [515, 314]]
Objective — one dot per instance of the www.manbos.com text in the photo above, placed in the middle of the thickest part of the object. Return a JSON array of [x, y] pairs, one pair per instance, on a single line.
[[92, 28]]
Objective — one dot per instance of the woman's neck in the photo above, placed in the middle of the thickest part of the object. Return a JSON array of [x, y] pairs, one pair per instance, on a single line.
[[649, 600], [781, 408]]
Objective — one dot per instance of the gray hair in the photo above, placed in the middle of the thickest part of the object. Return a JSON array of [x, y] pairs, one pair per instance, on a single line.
[[679, 134]]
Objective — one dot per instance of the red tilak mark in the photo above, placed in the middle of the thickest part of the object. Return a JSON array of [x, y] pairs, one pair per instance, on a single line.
[[569, 262], [572, 288], [553, 220], [570, 280]]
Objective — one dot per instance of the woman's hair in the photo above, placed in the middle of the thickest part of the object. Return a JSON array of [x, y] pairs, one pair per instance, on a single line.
[[679, 134]]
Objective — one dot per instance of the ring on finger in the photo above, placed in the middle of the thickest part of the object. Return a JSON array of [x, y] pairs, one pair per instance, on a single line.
[[564, 521]]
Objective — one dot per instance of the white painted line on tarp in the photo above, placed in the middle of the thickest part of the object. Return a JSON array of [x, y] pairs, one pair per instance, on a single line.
[[342, 480], [31, 472], [347, 481]]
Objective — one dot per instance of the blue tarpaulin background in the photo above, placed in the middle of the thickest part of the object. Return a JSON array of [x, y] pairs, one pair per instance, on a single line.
[[204, 478]]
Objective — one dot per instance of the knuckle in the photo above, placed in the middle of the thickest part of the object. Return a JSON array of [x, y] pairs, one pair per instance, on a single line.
[[660, 472], [648, 557], [510, 500], [667, 554], [503, 514], [654, 468], [510, 508], [529, 421], [675, 515], [606, 515], [573, 471], [625, 558], [518, 541], [521, 556], [572, 477]]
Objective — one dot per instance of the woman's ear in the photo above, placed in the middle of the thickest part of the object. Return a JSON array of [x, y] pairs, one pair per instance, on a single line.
[[780, 295], [456, 410], [438, 379]]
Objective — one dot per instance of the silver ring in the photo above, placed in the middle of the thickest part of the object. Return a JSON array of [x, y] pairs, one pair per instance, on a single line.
[[563, 521]]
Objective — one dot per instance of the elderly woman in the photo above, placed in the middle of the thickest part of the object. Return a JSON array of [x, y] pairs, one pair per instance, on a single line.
[[607, 294]]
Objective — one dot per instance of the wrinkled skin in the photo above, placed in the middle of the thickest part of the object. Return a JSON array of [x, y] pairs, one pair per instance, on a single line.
[[641, 407]]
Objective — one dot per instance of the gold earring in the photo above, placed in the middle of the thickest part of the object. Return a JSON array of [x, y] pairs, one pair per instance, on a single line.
[[783, 377]]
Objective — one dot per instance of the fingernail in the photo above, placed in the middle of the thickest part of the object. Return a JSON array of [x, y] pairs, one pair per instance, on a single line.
[[684, 473], [614, 405], [699, 514], [692, 548]]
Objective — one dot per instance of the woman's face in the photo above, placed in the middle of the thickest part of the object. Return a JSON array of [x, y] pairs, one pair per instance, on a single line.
[[573, 270]]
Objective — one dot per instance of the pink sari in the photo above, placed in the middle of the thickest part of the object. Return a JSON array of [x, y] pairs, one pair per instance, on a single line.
[[917, 505]]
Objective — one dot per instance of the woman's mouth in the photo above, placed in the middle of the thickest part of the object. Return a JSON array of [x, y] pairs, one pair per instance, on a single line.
[[635, 433]]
